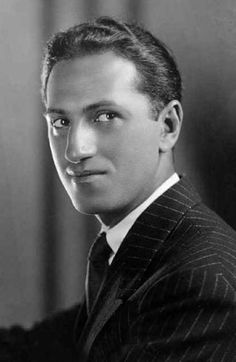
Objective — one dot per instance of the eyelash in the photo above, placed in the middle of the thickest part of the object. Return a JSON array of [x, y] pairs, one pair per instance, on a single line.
[[107, 113], [53, 123], [111, 115]]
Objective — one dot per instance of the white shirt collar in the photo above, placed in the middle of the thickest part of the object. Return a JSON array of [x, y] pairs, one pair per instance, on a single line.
[[117, 233]]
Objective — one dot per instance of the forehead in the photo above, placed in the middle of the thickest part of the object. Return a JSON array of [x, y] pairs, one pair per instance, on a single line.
[[90, 77]]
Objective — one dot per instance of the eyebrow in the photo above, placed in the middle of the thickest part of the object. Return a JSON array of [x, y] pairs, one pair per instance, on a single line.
[[85, 109], [54, 110]]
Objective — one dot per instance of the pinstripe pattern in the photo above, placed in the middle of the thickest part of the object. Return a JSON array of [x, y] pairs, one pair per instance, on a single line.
[[171, 290]]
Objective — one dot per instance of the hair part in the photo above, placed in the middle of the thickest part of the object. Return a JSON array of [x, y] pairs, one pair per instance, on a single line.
[[159, 77]]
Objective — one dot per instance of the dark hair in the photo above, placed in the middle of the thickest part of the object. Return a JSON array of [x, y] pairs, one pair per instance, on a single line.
[[159, 77]]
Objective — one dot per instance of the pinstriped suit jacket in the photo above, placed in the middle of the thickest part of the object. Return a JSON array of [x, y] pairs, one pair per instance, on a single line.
[[170, 295], [171, 291]]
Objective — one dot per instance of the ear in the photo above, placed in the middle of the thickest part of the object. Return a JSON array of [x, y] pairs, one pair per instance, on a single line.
[[170, 119]]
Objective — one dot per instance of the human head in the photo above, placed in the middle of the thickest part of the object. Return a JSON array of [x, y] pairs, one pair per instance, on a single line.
[[110, 148], [159, 77]]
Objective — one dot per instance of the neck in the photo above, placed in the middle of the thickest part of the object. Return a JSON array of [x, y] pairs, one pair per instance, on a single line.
[[112, 218]]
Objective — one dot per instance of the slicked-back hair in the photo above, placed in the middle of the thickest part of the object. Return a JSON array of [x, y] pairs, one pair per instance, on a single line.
[[158, 75]]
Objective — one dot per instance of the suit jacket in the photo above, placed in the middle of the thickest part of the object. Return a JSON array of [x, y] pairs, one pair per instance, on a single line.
[[170, 295]]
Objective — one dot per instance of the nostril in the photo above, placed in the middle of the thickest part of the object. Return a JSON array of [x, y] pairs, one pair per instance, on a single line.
[[71, 154], [79, 152]]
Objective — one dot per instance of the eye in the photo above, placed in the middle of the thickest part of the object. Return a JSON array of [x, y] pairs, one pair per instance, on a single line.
[[105, 117], [60, 123]]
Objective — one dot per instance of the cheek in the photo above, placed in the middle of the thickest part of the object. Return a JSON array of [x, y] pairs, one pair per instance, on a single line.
[[134, 161], [138, 148], [57, 146]]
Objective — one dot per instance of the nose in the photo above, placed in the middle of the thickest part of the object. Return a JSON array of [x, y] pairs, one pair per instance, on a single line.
[[81, 143]]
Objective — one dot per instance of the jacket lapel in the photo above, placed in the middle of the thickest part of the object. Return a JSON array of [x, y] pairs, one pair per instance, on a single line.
[[150, 231], [138, 249]]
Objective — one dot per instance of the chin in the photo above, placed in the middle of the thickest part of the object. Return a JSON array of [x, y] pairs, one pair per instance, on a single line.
[[86, 208]]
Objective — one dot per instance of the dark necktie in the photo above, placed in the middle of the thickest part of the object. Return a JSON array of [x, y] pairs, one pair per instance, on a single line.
[[97, 267]]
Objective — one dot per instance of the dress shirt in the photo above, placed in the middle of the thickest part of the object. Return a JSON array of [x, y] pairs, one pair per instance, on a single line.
[[116, 234]]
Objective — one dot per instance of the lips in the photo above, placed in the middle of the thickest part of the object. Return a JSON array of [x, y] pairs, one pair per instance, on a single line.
[[84, 175]]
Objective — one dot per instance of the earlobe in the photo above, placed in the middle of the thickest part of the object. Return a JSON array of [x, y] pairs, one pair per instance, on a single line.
[[171, 120]]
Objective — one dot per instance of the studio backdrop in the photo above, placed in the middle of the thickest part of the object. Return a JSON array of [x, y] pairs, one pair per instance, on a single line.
[[43, 240]]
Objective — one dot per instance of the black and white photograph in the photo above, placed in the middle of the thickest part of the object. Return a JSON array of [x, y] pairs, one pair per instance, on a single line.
[[118, 181]]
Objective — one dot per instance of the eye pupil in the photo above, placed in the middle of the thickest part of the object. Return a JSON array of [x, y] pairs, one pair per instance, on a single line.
[[60, 123], [106, 116]]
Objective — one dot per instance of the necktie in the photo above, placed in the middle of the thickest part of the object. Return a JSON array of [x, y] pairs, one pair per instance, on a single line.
[[97, 267]]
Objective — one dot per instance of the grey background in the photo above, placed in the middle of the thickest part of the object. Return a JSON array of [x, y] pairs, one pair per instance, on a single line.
[[43, 241]]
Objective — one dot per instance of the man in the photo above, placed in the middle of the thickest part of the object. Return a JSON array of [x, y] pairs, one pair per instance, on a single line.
[[167, 291]]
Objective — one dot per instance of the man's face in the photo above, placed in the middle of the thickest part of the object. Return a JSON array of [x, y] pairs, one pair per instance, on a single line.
[[103, 138]]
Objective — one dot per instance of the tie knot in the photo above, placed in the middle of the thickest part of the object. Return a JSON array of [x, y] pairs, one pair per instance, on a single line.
[[100, 251]]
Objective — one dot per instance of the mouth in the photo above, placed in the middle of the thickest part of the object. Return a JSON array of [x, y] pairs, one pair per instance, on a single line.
[[86, 176]]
